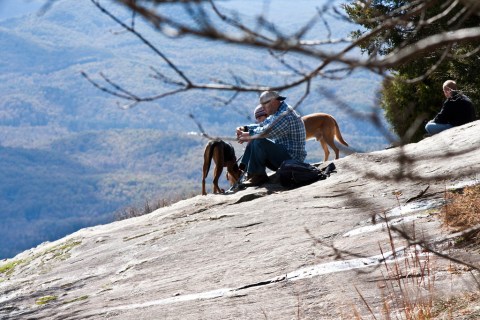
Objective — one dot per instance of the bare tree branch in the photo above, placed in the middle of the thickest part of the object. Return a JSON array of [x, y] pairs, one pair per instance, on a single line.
[[428, 44], [208, 21]]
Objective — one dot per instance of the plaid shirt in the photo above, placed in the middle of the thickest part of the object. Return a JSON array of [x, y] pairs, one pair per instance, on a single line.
[[285, 127]]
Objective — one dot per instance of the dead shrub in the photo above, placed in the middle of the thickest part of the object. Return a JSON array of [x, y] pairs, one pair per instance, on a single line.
[[148, 207], [462, 210]]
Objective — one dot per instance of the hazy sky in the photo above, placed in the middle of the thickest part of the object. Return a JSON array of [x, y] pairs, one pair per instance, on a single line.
[[14, 8]]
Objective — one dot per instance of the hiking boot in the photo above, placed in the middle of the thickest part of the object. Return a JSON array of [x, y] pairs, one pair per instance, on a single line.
[[255, 180]]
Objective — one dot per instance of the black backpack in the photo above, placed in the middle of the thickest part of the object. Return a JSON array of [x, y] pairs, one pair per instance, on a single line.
[[294, 173]]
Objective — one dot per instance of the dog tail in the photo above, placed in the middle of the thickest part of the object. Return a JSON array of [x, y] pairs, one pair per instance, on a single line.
[[338, 134]]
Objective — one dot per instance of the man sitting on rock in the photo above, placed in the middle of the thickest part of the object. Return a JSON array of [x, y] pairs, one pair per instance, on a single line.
[[456, 111], [279, 137]]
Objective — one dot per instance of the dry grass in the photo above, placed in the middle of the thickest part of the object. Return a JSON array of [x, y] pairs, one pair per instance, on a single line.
[[461, 213], [148, 207], [463, 208], [130, 212], [407, 289], [460, 307]]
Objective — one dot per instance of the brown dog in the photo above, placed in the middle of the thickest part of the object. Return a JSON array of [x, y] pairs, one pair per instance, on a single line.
[[223, 155], [324, 128]]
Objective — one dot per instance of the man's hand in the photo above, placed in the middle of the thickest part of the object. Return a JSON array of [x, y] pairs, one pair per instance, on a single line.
[[242, 137], [239, 131]]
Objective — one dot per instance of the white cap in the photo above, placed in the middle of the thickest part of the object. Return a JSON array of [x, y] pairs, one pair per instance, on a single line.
[[267, 96]]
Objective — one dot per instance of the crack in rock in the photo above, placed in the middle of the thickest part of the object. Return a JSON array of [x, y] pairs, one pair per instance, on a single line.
[[248, 225], [263, 283]]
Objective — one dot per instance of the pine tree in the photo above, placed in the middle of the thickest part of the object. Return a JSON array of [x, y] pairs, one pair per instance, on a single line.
[[413, 91]]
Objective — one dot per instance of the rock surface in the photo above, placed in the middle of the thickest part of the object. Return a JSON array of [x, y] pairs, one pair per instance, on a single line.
[[263, 253]]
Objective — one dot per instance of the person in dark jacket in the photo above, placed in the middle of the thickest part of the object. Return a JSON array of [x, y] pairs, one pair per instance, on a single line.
[[456, 111]]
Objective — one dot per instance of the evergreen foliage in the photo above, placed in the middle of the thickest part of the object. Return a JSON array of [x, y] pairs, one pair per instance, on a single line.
[[405, 100]]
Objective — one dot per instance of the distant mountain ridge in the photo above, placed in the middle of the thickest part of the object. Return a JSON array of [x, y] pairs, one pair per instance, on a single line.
[[85, 179], [71, 132]]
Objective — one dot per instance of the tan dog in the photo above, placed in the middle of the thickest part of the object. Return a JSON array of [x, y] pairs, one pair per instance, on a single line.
[[324, 128], [223, 155]]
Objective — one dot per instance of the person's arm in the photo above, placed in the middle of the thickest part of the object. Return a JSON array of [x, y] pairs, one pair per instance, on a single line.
[[260, 127], [276, 128], [446, 114]]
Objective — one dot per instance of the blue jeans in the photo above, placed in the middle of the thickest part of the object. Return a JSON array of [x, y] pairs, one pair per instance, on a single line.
[[264, 153], [434, 128]]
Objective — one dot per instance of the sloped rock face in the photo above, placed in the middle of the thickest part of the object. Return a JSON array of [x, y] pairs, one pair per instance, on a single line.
[[263, 253]]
